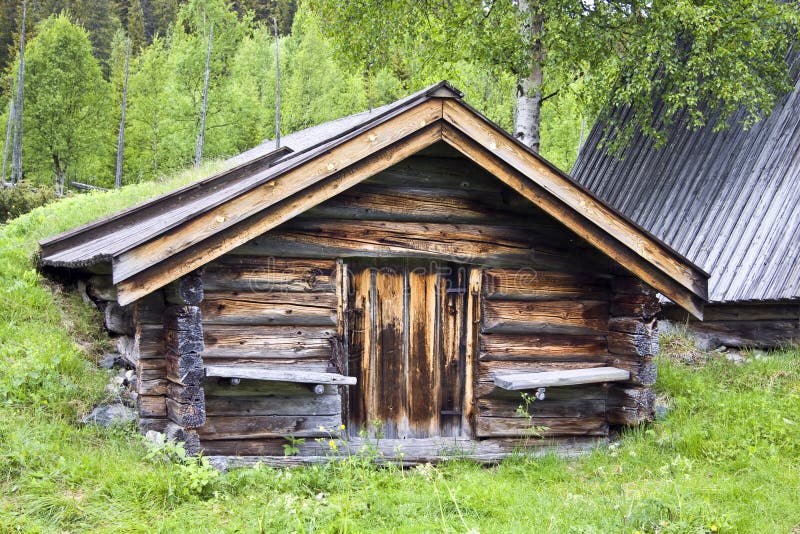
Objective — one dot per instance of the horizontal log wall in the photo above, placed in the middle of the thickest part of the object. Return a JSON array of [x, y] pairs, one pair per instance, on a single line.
[[542, 321], [276, 302], [765, 325], [274, 313], [446, 209]]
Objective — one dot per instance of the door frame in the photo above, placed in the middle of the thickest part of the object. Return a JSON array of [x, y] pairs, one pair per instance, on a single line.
[[472, 282]]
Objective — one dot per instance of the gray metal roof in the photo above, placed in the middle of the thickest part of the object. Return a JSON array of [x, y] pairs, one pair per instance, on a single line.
[[729, 201]]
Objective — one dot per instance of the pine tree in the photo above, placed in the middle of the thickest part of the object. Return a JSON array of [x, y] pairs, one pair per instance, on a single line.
[[135, 25]]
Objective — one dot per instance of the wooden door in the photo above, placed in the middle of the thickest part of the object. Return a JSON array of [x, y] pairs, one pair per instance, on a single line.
[[406, 333]]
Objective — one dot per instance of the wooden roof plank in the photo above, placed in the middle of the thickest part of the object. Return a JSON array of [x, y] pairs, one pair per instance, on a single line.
[[577, 222], [275, 190], [575, 197], [176, 265]]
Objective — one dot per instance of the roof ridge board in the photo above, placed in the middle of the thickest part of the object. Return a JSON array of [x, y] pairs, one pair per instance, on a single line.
[[286, 151], [278, 170], [188, 188], [590, 194]]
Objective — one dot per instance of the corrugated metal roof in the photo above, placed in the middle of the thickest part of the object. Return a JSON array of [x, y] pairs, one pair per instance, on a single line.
[[729, 201]]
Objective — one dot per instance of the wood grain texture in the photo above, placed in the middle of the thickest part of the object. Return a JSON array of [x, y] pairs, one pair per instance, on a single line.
[[308, 404], [151, 406], [265, 343], [542, 317], [533, 284], [273, 374], [140, 271], [246, 308], [424, 368], [673, 284], [269, 426], [560, 187], [449, 242], [406, 452], [571, 377], [554, 426], [258, 274], [543, 347]]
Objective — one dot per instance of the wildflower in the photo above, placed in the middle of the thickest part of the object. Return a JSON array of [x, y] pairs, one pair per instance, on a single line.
[[332, 445], [714, 528], [341, 427]]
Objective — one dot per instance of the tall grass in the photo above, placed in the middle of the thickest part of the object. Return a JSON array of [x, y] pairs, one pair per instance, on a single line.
[[726, 458]]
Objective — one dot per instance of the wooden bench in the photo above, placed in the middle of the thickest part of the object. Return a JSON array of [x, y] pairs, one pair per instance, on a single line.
[[249, 372], [571, 377]]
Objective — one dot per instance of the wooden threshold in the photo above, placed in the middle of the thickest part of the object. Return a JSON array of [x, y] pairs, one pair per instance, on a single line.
[[271, 375], [410, 452], [571, 377]]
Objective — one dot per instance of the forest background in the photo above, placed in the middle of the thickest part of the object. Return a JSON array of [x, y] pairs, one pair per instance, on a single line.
[[75, 67]]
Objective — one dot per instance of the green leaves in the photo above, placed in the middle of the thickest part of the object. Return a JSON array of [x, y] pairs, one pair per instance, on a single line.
[[66, 104]]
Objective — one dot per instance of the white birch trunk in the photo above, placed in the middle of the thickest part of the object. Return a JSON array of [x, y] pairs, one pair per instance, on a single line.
[[201, 136], [529, 88], [16, 154], [121, 136]]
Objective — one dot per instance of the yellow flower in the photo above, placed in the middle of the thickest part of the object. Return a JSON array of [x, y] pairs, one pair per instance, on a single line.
[[714, 528], [341, 427], [332, 445]]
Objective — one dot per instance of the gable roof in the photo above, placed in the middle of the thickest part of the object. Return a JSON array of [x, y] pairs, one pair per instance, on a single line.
[[157, 242], [726, 200]]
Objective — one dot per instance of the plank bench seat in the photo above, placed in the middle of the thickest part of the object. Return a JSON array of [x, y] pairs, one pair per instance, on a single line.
[[248, 372], [571, 377]]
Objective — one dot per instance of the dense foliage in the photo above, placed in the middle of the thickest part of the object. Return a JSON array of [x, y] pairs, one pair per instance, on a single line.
[[75, 71], [699, 58]]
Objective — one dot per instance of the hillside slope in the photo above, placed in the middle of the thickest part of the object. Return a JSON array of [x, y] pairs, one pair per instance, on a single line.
[[725, 458]]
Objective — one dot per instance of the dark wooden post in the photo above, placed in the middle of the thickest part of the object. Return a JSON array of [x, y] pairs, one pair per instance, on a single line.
[[632, 345], [183, 341]]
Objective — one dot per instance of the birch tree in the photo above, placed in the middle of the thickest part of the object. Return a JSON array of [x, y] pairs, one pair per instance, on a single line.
[[700, 59], [16, 152]]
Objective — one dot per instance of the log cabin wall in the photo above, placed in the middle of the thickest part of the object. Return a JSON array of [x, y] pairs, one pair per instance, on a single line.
[[539, 295], [632, 345], [282, 313], [542, 321]]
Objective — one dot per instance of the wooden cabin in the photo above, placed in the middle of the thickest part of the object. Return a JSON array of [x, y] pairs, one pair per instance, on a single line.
[[403, 274], [728, 200]]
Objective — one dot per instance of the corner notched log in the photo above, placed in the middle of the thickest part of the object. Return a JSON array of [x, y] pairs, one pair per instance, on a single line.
[[185, 369], [183, 318], [187, 290], [187, 415], [630, 406], [184, 341], [189, 438]]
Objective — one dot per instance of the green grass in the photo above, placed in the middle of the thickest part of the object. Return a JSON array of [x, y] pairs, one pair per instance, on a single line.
[[726, 457]]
